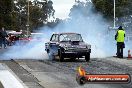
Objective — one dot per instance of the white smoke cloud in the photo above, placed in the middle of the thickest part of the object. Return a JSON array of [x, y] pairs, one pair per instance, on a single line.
[[93, 28]]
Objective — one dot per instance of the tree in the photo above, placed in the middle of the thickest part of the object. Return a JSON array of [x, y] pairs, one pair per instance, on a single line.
[[13, 13], [106, 7], [80, 8], [5, 13]]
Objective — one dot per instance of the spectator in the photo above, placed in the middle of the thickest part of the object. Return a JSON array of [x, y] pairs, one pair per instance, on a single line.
[[3, 36]]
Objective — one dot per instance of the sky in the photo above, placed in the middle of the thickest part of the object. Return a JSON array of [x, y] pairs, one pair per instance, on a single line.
[[62, 7]]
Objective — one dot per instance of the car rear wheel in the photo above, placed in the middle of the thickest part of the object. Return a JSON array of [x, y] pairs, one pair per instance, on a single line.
[[51, 55], [87, 57]]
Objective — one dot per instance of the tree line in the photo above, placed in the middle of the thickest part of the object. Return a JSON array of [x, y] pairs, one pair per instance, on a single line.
[[106, 7], [123, 10], [14, 13]]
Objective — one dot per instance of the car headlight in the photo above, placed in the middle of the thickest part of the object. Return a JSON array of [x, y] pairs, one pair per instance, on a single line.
[[64, 46]]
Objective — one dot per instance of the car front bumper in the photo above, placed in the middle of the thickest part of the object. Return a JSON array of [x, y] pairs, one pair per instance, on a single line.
[[76, 53]]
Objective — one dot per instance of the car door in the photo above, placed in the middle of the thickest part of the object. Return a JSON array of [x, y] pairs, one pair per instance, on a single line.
[[53, 44]]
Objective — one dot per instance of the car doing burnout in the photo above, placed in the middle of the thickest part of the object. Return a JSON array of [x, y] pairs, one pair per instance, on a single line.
[[67, 45]]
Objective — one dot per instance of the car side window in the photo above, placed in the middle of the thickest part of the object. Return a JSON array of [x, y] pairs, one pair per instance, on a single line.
[[54, 37]]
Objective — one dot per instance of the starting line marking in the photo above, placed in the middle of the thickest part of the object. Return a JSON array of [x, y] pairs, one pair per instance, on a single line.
[[8, 79]]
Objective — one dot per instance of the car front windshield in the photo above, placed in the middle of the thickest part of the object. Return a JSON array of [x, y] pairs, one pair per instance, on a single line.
[[70, 37]]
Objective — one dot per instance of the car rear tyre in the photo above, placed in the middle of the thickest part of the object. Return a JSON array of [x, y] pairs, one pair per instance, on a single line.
[[87, 57], [51, 56]]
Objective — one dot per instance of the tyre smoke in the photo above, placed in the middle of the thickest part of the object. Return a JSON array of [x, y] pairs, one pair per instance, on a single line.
[[92, 26]]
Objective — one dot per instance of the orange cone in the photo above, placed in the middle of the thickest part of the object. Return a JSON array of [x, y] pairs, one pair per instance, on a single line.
[[129, 54]]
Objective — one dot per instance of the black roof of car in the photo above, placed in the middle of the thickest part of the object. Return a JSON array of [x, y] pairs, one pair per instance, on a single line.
[[66, 33]]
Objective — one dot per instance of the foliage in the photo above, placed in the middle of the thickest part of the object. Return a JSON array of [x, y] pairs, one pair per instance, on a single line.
[[106, 7], [13, 13], [80, 8], [5, 9]]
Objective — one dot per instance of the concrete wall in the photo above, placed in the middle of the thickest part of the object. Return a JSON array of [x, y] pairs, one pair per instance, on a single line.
[[1, 86]]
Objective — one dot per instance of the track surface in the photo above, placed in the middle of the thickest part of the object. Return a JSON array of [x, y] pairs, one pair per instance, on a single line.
[[55, 74]]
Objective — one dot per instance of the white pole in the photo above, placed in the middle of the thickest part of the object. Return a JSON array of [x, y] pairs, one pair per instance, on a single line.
[[114, 13]]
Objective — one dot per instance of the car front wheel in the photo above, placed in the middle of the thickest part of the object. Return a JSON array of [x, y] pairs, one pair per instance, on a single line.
[[87, 57], [61, 57]]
